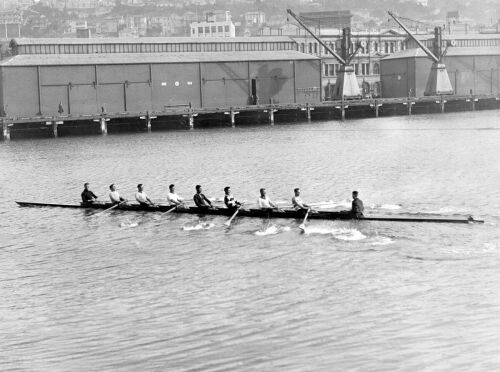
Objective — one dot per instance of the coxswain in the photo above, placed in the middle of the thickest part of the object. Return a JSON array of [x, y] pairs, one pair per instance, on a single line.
[[297, 202], [142, 197], [201, 200], [264, 202], [357, 206], [172, 196], [229, 200], [88, 197], [114, 195]]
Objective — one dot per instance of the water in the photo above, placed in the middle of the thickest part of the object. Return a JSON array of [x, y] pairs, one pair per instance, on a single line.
[[134, 291]]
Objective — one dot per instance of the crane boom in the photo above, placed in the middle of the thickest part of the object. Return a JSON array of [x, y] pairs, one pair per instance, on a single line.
[[330, 50], [424, 48]]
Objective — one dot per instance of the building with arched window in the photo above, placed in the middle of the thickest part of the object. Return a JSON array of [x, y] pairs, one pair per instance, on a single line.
[[373, 47]]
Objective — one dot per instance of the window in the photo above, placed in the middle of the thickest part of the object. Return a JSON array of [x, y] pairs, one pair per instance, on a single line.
[[214, 29], [376, 69], [331, 69], [366, 88], [226, 28], [363, 68], [220, 29], [356, 68], [207, 29], [200, 30], [326, 69], [337, 67], [193, 31]]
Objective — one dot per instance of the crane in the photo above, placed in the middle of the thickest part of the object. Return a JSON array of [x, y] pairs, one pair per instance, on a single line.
[[438, 82], [346, 85]]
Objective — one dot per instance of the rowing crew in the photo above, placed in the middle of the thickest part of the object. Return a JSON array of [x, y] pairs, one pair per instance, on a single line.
[[202, 202]]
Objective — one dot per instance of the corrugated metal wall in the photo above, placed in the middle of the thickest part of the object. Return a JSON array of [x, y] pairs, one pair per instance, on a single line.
[[86, 89], [479, 74]]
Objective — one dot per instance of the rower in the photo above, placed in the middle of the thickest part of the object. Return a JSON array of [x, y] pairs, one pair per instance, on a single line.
[[142, 197], [115, 196], [264, 202], [297, 202], [172, 196], [201, 200], [357, 206], [88, 197], [229, 200]]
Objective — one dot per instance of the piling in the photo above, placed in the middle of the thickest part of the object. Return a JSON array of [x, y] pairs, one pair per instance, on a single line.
[[271, 115], [148, 119], [308, 110], [104, 126], [54, 125], [5, 131], [409, 104], [443, 101], [473, 101], [232, 116]]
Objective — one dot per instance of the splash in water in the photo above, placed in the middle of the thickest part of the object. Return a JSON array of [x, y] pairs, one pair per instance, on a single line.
[[129, 224], [268, 230], [200, 226], [382, 240], [338, 233]]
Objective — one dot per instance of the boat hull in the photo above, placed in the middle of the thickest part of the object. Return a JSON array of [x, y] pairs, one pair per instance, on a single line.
[[256, 213]]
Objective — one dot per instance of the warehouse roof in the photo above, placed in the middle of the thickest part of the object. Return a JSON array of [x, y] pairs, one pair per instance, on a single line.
[[474, 36], [149, 40], [141, 58], [452, 52]]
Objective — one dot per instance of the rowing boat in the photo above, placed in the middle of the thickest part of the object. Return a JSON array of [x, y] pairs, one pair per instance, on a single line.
[[258, 213]]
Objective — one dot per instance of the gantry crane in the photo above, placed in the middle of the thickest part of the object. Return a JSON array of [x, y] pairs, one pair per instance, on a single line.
[[346, 86], [438, 82]]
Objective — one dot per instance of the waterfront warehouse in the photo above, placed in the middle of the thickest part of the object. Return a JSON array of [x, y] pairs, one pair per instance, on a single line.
[[88, 84], [472, 70]]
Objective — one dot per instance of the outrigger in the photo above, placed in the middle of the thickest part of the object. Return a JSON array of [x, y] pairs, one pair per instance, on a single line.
[[290, 214]]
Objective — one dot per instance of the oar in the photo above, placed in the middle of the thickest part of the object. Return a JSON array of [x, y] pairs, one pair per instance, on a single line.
[[228, 222], [302, 226], [108, 209], [169, 211]]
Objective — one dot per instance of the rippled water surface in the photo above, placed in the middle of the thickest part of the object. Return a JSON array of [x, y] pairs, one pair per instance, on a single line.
[[133, 291]]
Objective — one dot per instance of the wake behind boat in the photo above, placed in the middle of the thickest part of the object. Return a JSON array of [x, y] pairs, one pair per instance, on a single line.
[[246, 212]]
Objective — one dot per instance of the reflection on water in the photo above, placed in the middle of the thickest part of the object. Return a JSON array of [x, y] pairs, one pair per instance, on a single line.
[[138, 291]]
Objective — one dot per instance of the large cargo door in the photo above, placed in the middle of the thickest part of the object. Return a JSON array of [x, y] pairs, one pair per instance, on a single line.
[[176, 85], [112, 97], [83, 100], [214, 93], [52, 96], [138, 97], [225, 92]]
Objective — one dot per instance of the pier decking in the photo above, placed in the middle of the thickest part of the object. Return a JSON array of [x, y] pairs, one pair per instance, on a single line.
[[185, 116]]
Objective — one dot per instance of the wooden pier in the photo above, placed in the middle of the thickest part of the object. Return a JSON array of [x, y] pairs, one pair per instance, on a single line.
[[185, 116]]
